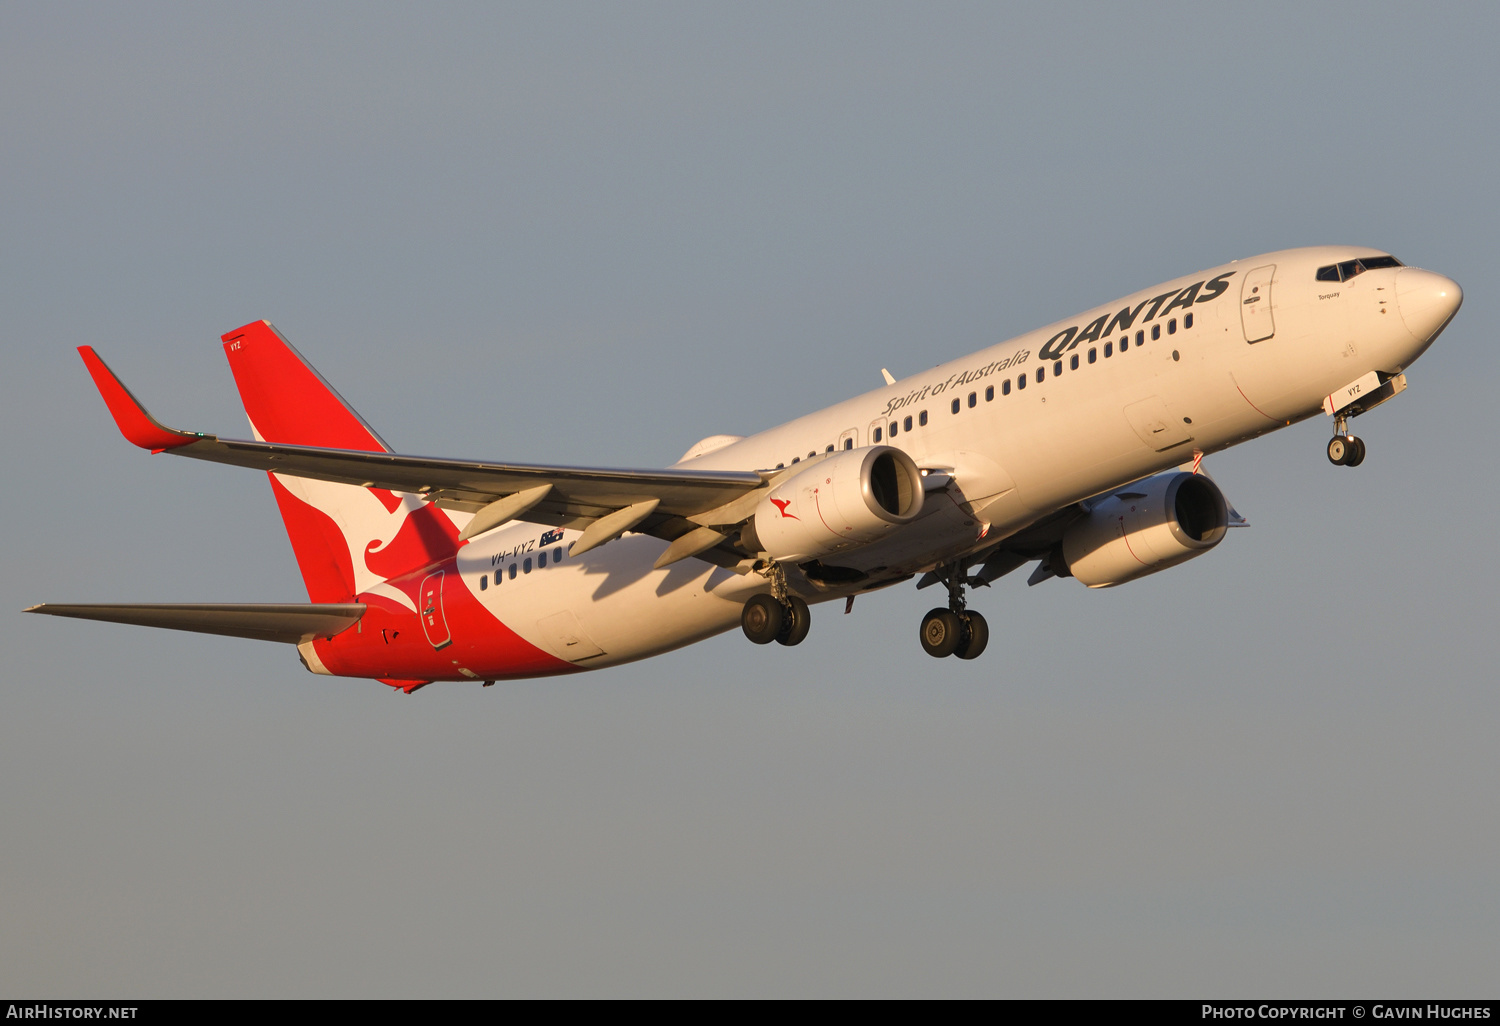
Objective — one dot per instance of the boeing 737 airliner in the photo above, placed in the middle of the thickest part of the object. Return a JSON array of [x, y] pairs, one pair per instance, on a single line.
[[1075, 447]]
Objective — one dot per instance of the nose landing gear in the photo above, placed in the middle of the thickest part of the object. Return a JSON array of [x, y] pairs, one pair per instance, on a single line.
[[1344, 449], [955, 630], [779, 616]]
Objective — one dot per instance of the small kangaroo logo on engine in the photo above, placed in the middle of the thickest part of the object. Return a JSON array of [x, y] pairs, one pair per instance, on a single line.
[[782, 504]]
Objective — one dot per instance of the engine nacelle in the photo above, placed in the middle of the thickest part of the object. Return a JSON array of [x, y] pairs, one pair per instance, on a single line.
[[1146, 527], [839, 503]]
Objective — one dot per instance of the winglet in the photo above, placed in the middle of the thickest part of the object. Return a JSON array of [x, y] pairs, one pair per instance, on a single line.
[[138, 426]]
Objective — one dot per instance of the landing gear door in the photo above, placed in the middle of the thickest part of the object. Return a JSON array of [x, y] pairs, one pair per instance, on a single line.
[[434, 623], [1255, 304]]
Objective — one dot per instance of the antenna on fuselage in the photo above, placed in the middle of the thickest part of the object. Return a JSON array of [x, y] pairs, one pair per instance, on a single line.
[[887, 375]]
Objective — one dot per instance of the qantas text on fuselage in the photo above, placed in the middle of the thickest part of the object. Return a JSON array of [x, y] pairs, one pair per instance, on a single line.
[[1071, 338], [1076, 448]]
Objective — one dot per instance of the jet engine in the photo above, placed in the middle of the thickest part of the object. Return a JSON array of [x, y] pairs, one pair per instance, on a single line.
[[841, 502], [1146, 527]]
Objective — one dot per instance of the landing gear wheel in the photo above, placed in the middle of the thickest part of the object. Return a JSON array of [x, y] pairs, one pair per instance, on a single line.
[[1339, 450], [976, 636], [1356, 457], [942, 631], [762, 619], [796, 621]]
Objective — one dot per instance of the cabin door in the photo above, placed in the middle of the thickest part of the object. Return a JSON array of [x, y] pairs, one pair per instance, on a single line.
[[430, 609], [1255, 304]]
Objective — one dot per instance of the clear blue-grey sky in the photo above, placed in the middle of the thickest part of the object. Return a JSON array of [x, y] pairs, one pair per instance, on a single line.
[[596, 233]]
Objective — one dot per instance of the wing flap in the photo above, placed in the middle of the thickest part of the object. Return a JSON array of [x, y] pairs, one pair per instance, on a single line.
[[292, 623]]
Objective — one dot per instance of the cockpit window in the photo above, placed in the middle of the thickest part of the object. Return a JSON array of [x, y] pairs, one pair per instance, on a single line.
[[1349, 268]]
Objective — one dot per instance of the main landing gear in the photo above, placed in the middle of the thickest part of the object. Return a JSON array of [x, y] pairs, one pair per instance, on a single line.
[[955, 630], [1345, 450], [779, 616]]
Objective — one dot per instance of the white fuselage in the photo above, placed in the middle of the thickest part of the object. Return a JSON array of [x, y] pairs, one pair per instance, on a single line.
[[1013, 454]]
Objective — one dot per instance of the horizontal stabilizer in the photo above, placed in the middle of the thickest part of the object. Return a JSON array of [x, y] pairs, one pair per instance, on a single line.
[[292, 623]]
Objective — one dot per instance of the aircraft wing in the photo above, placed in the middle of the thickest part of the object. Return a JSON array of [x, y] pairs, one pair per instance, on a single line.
[[666, 503]]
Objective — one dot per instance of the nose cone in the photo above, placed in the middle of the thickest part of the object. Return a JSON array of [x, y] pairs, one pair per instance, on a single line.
[[1427, 301]]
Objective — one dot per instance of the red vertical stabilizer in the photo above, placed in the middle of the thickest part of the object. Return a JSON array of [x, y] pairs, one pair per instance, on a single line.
[[345, 538], [286, 399]]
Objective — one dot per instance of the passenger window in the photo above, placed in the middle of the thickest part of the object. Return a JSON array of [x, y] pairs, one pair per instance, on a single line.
[[796, 459], [955, 406], [1155, 332], [877, 438], [1172, 326], [906, 424], [513, 571], [973, 399], [1041, 375], [829, 449], [1093, 355], [877, 434], [989, 394], [892, 431], [557, 554], [1109, 350], [1020, 381], [484, 581], [922, 418], [1005, 387], [848, 443], [1124, 342], [1140, 338], [526, 565], [541, 560], [1187, 322], [1057, 368], [1073, 362]]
